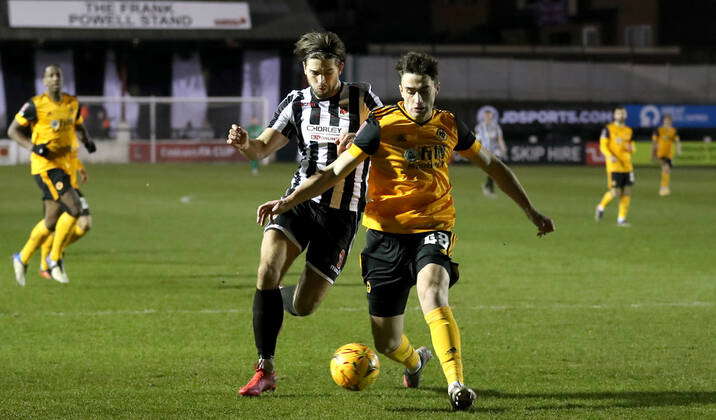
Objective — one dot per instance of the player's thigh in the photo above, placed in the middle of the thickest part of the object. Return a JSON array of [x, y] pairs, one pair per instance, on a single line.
[[387, 332], [71, 201], [53, 210], [277, 254], [310, 291]]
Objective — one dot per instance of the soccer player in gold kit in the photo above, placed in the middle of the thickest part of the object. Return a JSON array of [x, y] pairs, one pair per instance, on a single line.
[[410, 216], [663, 141], [54, 121], [78, 176], [617, 146]]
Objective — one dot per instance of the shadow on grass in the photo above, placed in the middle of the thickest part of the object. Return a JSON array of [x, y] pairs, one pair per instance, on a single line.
[[605, 399]]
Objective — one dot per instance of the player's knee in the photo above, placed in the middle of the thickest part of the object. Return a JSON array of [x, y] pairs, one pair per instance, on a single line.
[[268, 276], [304, 308], [84, 223], [50, 223]]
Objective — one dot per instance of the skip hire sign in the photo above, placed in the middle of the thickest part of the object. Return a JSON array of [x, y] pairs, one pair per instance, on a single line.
[[116, 14]]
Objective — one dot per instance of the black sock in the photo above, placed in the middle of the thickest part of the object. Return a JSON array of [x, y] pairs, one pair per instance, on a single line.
[[268, 317], [287, 295]]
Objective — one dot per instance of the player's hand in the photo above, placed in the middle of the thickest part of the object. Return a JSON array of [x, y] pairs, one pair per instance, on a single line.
[[82, 172], [266, 212], [344, 141], [544, 224], [90, 146], [613, 159], [41, 149], [238, 137]]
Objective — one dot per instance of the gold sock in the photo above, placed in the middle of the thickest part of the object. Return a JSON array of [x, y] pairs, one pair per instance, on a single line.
[[37, 237], [624, 206], [45, 251], [665, 178], [65, 225], [606, 199], [405, 354], [446, 342]]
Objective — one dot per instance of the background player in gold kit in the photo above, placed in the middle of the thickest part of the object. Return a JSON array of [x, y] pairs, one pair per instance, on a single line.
[[663, 141], [55, 122], [410, 216], [617, 146]]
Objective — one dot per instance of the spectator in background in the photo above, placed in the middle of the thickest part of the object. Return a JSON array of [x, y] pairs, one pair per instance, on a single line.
[[490, 133], [254, 129]]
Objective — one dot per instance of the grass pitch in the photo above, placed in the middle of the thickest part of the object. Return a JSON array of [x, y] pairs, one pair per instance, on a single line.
[[593, 321]]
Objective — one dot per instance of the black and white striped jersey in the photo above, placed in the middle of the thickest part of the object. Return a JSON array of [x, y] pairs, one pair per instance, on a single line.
[[315, 124]]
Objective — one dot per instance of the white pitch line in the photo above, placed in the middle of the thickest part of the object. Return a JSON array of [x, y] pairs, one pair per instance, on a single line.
[[362, 308]]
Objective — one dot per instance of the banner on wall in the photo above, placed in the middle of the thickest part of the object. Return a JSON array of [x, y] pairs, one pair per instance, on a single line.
[[688, 116], [122, 14], [185, 152]]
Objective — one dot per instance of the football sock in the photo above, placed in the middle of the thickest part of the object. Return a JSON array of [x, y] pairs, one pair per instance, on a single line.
[[624, 207], [37, 237], [65, 225], [287, 296], [446, 342], [606, 199], [406, 355], [665, 178], [45, 251], [268, 318]]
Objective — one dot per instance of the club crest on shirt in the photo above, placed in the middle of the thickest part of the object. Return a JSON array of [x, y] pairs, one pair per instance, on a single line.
[[442, 135], [59, 185]]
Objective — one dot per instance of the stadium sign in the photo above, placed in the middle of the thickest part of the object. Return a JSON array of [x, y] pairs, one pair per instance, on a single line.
[[692, 116], [545, 154], [116, 14], [555, 116]]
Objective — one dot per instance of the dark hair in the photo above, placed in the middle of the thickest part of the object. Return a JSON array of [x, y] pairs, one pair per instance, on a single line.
[[320, 45], [418, 63]]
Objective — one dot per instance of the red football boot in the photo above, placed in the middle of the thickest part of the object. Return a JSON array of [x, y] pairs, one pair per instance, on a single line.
[[261, 381]]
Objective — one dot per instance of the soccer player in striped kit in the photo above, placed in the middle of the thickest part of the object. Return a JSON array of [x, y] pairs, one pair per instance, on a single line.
[[321, 119]]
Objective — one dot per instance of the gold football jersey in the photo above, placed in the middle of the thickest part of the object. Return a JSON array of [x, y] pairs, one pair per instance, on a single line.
[[52, 123], [616, 140], [409, 188]]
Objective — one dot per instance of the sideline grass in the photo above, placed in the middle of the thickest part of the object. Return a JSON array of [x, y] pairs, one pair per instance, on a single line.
[[594, 321]]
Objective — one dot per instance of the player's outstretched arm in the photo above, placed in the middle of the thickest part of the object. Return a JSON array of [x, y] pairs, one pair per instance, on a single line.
[[321, 181], [508, 182], [266, 143]]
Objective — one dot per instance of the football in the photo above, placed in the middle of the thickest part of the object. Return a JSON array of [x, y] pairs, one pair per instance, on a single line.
[[354, 366]]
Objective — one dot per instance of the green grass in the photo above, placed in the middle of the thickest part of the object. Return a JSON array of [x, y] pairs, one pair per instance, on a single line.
[[594, 321]]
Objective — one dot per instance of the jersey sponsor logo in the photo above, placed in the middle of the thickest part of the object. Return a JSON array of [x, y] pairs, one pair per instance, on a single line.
[[323, 129], [367, 287], [311, 104], [432, 156]]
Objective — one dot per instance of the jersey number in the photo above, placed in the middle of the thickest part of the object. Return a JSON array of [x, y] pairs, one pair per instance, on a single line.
[[440, 238]]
